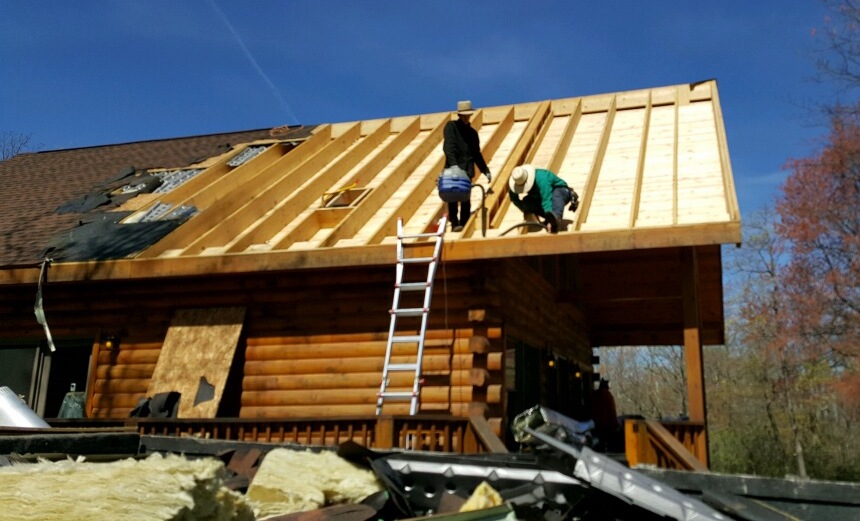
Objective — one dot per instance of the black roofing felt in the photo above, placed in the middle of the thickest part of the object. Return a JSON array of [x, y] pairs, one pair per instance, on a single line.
[[79, 184], [104, 238]]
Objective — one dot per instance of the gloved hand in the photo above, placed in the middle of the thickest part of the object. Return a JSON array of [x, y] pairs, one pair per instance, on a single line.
[[574, 201], [489, 176]]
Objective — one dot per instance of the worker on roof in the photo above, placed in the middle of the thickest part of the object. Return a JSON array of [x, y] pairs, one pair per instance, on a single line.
[[462, 148], [539, 192]]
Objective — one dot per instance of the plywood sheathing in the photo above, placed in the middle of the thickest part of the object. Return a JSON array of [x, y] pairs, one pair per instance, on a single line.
[[196, 358]]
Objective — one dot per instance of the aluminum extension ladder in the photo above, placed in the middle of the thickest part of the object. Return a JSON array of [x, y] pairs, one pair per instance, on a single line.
[[397, 312]]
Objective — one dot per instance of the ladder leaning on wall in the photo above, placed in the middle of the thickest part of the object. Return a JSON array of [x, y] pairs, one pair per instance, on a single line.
[[395, 336]]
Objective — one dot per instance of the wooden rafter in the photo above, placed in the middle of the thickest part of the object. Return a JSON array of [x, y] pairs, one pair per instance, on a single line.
[[728, 178], [563, 145], [224, 206], [640, 165], [375, 199], [596, 165], [310, 191], [244, 221], [519, 155], [675, 161]]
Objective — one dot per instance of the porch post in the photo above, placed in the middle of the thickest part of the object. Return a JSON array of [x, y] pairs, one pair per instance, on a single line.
[[693, 347]]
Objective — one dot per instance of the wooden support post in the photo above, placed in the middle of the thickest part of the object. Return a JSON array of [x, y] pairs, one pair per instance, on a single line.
[[693, 347], [384, 434], [635, 442]]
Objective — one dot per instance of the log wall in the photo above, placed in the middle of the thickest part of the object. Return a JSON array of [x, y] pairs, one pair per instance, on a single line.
[[313, 342]]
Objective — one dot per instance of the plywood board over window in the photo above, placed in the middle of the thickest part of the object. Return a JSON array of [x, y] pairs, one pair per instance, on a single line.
[[196, 357]]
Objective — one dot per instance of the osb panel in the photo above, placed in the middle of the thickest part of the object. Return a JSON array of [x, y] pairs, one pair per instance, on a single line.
[[199, 345]]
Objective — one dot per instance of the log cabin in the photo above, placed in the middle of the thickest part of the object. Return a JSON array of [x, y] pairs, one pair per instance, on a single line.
[[253, 271]]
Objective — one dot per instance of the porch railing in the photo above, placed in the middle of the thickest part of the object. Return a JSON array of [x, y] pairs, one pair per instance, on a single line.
[[669, 445], [472, 435]]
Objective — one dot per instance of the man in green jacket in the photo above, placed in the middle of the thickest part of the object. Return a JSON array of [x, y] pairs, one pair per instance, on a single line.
[[540, 192]]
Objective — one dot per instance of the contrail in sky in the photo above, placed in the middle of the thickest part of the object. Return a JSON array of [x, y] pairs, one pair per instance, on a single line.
[[286, 106]]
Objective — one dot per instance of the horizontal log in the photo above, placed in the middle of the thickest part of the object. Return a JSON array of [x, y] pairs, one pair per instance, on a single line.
[[111, 412], [348, 350], [364, 365], [343, 381], [125, 371], [434, 334], [461, 394], [115, 400], [122, 385], [126, 343], [128, 356]]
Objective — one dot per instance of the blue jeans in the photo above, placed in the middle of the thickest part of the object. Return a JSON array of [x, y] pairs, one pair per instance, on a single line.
[[560, 198]]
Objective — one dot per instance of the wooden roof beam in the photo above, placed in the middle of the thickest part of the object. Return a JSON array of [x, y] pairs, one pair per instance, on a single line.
[[371, 203], [728, 178], [597, 163], [225, 206], [243, 220], [563, 146], [675, 163], [306, 229], [309, 192], [498, 201], [411, 203], [202, 190], [640, 165]]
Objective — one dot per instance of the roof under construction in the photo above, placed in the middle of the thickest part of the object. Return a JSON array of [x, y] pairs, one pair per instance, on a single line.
[[651, 167]]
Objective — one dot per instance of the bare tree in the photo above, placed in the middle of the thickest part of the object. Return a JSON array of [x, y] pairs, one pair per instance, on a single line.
[[13, 143]]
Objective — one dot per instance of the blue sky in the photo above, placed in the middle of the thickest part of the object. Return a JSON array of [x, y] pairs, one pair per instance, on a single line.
[[78, 74]]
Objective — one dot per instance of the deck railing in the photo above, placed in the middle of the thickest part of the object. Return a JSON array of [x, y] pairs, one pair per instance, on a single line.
[[460, 435], [669, 445]]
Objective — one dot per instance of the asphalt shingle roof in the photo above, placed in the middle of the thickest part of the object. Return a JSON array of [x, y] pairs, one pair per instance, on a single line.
[[34, 185]]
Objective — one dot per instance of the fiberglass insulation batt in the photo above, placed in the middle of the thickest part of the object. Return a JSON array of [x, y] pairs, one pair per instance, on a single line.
[[157, 488], [294, 481]]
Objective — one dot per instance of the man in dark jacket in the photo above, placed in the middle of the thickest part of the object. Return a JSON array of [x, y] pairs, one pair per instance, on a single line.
[[462, 147], [540, 192]]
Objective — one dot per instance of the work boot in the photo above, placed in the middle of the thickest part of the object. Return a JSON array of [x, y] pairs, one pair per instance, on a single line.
[[552, 222]]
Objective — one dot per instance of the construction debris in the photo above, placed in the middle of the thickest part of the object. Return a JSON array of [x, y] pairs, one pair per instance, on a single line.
[[555, 476], [290, 481], [157, 488]]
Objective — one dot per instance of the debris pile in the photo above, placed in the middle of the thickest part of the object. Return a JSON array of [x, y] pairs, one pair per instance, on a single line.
[[157, 488], [555, 476], [290, 481]]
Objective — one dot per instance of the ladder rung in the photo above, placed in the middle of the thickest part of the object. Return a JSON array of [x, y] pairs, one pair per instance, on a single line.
[[412, 286], [405, 338], [397, 394], [408, 312], [421, 236], [416, 260], [402, 367]]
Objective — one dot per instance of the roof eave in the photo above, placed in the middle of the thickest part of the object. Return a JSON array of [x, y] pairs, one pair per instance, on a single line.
[[457, 250]]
